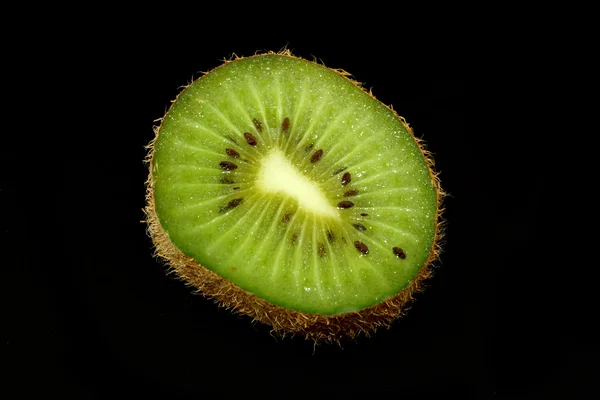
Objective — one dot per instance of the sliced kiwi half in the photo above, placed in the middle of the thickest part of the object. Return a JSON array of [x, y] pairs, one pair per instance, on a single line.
[[285, 191]]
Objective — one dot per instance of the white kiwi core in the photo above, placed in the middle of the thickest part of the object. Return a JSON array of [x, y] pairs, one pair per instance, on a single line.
[[279, 176]]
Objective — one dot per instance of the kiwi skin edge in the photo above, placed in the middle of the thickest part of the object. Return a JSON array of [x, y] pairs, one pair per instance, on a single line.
[[319, 328]]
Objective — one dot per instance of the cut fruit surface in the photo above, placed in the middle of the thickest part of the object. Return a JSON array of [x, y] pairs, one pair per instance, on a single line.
[[291, 182]]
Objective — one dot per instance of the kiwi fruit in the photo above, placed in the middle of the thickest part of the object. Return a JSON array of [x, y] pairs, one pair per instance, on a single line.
[[285, 191]]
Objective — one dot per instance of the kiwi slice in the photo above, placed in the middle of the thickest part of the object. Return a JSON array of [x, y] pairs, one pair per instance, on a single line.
[[285, 191]]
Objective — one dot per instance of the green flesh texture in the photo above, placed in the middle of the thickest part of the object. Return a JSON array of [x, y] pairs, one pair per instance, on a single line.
[[286, 240]]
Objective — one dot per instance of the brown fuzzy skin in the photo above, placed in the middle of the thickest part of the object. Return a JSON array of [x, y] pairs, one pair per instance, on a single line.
[[319, 328]]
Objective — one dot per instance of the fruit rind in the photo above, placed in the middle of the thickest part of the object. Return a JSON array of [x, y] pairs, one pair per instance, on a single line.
[[330, 328]]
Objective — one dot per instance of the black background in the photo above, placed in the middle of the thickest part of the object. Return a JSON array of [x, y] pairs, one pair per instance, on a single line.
[[91, 314]]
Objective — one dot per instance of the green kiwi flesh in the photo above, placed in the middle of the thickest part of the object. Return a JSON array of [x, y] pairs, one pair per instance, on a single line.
[[285, 191]]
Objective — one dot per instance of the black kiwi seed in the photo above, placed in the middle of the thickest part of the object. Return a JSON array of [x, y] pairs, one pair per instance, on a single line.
[[227, 166], [236, 188], [257, 124], [350, 193], [361, 247], [232, 204], [250, 139], [346, 178], [235, 202], [345, 204], [399, 252], [321, 250], [285, 125], [294, 238], [330, 236], [227, 181], [286, 217], [359, 227], [316, 156], [364, 214], [232, 153]]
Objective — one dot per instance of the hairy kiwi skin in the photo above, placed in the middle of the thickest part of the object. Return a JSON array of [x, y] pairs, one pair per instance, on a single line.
[[329, 328]]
